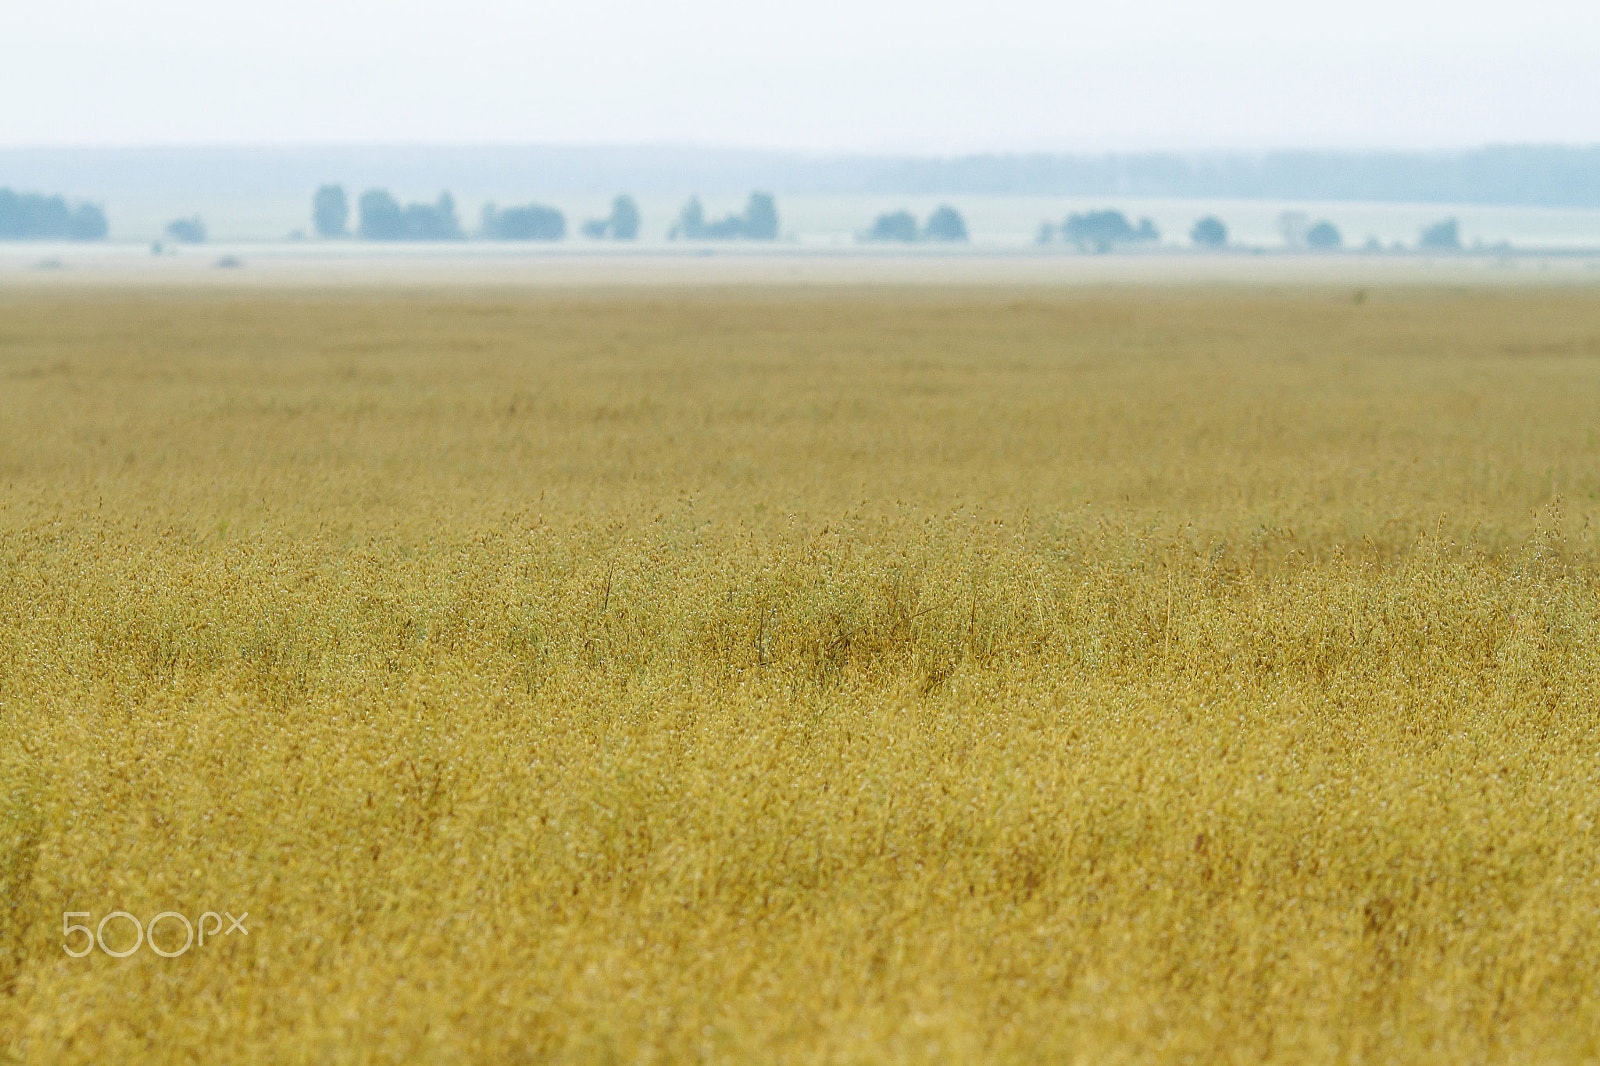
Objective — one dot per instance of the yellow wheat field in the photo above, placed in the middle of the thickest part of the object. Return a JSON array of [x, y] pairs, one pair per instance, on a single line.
[[802, 676]]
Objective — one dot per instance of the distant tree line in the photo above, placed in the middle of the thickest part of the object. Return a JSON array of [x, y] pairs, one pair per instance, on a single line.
[[532, 222], [33, 216], [1104, 231], [1099, 231], [1300, 233], [759, 222], [383, 218], [944, 224]]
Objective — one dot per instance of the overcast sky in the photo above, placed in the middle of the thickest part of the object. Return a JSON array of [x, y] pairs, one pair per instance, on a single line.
[[936, 76]]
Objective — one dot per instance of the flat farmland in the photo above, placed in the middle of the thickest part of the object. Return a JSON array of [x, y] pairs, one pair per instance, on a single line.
[[800, 675]]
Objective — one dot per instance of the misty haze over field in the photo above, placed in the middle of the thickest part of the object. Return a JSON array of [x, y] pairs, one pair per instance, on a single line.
[[1545, 176], [184, 119]]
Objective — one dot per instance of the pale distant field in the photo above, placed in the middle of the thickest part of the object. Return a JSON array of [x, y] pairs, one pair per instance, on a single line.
[[48, 267], [784, 675]]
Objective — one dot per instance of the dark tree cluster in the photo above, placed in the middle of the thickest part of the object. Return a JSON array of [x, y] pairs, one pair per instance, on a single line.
[[532, 222], [622, 225], [1099, 231], [945, 224], [758, 223], [32, 216], [383, 219]]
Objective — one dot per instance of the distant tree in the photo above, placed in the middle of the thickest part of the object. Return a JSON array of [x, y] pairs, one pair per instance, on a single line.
[[444, 210], [32, 216], [1209, 232], [945, 224], [761, 217], [624, 219], [533, 222], [187, 230], [434, 222], [622, 225], [691, 222], [759, 221], [383, 219], [1324, 236], [1442, 236], [1100, 231], [330, 211], [1047, 233], [893, 226], [724, 229], [88, 223]]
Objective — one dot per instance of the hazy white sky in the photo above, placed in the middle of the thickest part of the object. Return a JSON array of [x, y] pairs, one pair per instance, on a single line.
[[934, 76]]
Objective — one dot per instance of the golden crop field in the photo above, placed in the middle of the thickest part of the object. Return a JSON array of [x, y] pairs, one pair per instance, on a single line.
[[794, 676]]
